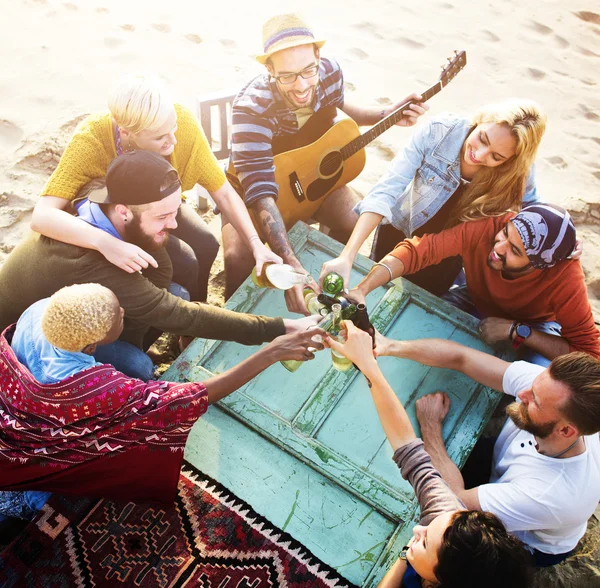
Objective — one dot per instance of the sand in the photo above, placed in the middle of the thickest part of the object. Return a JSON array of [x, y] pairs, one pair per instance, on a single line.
[[60, 58]]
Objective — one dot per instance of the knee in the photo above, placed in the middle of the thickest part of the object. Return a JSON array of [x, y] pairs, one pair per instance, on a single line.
[[210, 248], [237, 256], [141, 367]]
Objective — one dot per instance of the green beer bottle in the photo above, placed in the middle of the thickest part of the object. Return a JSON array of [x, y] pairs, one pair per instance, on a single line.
[[333, 283]]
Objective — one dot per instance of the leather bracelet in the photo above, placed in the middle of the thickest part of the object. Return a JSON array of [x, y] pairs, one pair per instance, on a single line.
[[512, 330], [387, 267]]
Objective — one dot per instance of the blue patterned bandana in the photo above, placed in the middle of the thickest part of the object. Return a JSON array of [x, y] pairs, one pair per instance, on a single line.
[[547, 232]]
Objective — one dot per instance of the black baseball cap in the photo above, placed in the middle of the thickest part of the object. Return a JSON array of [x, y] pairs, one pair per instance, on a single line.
[[137, 177]]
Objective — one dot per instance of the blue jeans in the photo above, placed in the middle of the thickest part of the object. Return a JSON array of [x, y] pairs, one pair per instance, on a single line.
[[21, 505], [545, 560], [126, 358], [459, 297]]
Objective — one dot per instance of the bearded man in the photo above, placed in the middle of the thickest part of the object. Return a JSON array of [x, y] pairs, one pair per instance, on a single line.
[[541, 476], [298, 83], [139, 205]]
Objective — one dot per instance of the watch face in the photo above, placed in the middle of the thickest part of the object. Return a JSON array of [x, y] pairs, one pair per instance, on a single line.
[[523, 331]]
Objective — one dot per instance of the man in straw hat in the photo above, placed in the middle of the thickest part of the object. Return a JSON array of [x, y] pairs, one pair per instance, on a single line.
[[299, 82]]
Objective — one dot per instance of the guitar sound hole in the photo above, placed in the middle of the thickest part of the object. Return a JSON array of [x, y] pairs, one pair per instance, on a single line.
[[330, 164]]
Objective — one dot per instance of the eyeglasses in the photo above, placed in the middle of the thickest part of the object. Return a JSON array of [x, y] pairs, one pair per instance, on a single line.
[[289, 78]]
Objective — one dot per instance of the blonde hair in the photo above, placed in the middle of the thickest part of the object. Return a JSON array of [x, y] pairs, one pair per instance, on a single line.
[[140, 102], [79, 315], [494, 190]]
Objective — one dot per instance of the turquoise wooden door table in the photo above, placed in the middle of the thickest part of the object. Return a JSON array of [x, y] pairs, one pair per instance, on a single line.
[[306, 449]]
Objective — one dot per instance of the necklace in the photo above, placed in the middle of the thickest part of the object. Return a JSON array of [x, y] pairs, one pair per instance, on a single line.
[[567, 449]]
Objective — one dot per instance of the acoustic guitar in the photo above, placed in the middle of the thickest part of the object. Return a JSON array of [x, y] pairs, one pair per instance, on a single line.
[[328, 152]]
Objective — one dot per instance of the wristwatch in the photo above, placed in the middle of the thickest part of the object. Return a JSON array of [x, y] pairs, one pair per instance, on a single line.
[[521, 332]]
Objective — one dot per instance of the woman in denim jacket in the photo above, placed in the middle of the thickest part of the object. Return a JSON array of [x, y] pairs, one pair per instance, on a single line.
[[453, 170]]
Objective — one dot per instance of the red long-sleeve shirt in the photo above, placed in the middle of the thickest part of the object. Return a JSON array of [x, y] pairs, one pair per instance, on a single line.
[[553, 294]]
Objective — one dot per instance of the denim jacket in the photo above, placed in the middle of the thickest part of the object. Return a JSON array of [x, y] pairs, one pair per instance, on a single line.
[[424, 175]]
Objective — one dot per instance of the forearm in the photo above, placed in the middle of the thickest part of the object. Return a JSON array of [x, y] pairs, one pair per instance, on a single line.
[[378, 276], [434, 445], [364, 116], [221, 324], [549, 346], [394, 420], [481, 367], [432, 352], [52, 221], [274, 230], [365, 225], [233, 207], [224, 384], [393, 578]]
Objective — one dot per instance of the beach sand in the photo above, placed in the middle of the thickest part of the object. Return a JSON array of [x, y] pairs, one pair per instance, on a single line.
[[60, 58]]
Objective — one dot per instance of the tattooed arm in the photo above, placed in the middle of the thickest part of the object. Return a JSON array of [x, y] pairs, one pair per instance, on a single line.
[[273, 229]]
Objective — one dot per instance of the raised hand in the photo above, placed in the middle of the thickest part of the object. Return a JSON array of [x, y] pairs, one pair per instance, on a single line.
[[412, 113], [294, 297], [298, 345], [302, 324], [340, 265], [358, 347], [262, 254], [382, 345]]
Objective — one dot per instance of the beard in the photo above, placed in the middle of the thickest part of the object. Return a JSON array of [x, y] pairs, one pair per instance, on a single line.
[[135, 234], [519, 415]]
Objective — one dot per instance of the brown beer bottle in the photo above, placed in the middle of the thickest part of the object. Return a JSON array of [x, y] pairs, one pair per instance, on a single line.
[[362, 321]]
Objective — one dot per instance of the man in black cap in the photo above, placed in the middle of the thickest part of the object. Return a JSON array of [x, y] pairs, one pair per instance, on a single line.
[[139, 205], [524, 289]]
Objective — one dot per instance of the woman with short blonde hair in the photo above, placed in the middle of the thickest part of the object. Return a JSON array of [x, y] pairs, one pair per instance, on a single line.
[[143, 116]]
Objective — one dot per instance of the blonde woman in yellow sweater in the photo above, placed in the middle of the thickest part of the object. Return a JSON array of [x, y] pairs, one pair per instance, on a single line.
[[143, 116]]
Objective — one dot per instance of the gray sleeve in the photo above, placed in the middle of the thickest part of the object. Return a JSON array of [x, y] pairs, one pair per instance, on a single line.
[[433, 494]]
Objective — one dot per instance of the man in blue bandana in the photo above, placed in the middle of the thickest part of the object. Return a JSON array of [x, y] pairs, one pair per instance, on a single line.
[[523, 287]]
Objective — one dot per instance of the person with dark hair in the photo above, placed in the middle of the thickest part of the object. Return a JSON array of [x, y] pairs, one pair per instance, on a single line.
[[519, 280], [138, 205], [541, 477], [452, 546], [298, 84]]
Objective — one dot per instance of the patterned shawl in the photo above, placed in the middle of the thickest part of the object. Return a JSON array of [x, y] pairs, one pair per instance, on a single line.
[[96, 413]]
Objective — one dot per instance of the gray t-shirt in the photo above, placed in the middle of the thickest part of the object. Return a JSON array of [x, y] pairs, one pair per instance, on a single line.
[[433, 494]]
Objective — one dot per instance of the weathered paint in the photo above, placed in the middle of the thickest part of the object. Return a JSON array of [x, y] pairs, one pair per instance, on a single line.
[[314, 434]]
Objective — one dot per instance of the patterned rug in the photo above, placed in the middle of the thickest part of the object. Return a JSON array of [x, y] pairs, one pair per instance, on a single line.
[[209, 538]]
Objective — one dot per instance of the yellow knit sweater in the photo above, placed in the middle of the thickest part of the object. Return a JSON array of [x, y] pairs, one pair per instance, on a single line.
[[92, 148]]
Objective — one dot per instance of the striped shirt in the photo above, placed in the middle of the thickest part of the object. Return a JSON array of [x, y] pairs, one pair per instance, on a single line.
[[259, 114]]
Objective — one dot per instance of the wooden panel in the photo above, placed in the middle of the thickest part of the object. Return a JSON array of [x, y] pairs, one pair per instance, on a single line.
[[297, 445]]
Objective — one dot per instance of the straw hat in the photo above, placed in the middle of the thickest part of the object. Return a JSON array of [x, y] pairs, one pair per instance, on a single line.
[[284, 31]]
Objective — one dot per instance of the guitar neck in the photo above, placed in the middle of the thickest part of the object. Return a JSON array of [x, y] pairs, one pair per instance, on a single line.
[[384, 124]]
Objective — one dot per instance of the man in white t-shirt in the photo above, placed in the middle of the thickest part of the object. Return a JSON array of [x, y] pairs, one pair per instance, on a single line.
[[545, 477]]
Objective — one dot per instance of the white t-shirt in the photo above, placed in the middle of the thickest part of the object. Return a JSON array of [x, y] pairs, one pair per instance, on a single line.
[[543, 501]]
